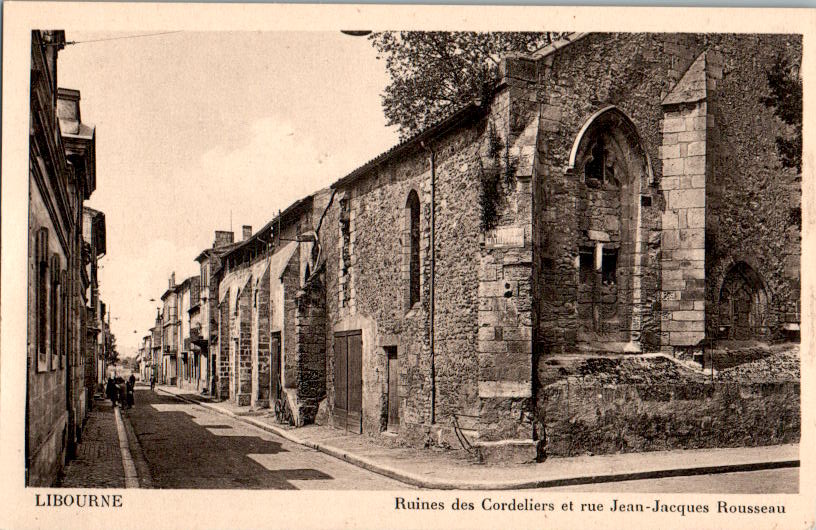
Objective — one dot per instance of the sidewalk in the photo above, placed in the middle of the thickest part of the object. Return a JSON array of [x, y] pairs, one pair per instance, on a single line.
[[98, 462], [454, 470]]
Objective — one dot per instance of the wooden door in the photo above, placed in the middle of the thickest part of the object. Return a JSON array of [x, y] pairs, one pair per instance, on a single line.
[[348, 381], [355, 383], [393, 390], [274, 368]]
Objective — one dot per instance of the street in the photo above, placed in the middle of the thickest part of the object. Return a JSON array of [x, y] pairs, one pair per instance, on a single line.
[[182, 444], [189, 446], [784, 480]]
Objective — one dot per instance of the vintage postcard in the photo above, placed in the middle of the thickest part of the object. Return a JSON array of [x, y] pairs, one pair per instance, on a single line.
[[364, 266]]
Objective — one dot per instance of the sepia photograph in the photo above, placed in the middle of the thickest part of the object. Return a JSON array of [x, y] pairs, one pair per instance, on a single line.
[[411, 261]]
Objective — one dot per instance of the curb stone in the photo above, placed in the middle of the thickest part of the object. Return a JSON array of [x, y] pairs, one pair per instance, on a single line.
[[426, 483], [142, 469], [131, 476]]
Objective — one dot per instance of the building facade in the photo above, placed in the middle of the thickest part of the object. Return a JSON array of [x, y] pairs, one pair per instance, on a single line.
[[498, 277], [271, 316], [94, 247], [209, 261], [605, 201], [170, 331], [61, 177], [156, 349]]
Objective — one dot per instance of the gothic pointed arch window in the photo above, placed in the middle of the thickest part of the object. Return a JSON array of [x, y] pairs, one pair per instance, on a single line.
[[612, 171], [743, 304], [410, 241]]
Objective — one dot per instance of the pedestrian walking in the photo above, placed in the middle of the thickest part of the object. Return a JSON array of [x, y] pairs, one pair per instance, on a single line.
[[111, 391], [130, 387], [122, 391]]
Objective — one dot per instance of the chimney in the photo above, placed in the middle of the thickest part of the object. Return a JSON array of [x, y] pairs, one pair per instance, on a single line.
[[247, 232], [223, 238], [172, 279]]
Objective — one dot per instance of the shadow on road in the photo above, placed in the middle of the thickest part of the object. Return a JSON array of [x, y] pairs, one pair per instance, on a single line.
[[183, 454]]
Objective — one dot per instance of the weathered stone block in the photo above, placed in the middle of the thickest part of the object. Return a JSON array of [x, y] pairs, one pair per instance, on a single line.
[[492, 346], [673, 166], [669, 219], [697, 254], [691, 136], [694, 165], [669, 151], [688, 316], [696, 148], [685, 338], [696, 217], [693, 198], [692, 238], [673, 125]]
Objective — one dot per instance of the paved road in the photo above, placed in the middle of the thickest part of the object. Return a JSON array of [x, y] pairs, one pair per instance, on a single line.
[[188, 446], [774, 480]]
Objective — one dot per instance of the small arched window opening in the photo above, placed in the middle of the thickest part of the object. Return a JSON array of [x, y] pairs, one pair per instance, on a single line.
[[599, 168], [411, 242], [743, 305]]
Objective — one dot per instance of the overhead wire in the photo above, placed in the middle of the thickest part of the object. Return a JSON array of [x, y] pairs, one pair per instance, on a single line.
[[120, 38]]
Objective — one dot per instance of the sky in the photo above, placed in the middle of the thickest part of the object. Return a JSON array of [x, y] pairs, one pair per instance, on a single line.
[[195, 129]]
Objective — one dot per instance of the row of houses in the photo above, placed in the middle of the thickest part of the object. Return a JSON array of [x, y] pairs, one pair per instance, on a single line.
[[68, 335], [614, 195]]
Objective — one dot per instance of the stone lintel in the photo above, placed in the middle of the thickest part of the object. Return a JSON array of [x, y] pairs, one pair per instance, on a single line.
[[505, 389]]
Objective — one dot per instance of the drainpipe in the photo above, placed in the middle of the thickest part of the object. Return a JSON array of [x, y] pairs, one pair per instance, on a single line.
[[432, 158]]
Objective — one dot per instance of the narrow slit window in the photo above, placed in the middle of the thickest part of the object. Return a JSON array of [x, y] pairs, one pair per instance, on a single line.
[[609, 266]]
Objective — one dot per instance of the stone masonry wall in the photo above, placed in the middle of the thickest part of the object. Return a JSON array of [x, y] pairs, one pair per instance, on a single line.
[[717, 196], [311, 361], [683, 236], [505, 272], [290, 279], [261, 345], [633, 72], [377, 204], [458, 257], [222, 362], [47, 415], [753, 211], [243, 353]]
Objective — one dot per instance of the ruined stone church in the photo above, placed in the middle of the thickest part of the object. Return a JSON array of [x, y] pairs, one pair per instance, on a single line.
[[538, 272]]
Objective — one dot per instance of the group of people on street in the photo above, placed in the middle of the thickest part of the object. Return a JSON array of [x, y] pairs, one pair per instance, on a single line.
[[121, 391]]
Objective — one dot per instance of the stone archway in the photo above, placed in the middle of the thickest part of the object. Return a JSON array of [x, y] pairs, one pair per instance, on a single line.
[[612, 170], [743, 304]]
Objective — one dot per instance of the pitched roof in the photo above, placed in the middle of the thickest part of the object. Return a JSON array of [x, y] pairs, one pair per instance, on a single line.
[[443, 124], [449, 119]]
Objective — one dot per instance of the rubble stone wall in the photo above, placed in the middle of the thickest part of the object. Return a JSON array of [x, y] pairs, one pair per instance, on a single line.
[[374, 293], [753, 204], [311, 361]]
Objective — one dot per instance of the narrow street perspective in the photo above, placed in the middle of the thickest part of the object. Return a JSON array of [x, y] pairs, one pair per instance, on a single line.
[[221, 452], [185, 441], [183, 445]]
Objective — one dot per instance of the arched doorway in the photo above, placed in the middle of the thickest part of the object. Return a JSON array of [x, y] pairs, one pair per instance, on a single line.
[[611, 169], [743, 304]]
